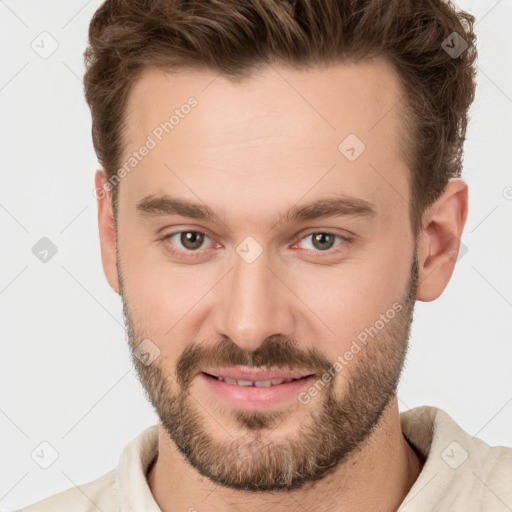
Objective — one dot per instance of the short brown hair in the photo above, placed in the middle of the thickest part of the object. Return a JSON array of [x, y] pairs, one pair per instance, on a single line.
[[234, 36]]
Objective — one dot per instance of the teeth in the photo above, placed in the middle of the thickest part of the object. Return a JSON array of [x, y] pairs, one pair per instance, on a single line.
[[257, 383], [265, 383], [243, 382]]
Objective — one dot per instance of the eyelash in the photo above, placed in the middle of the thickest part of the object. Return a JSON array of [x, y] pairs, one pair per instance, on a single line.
[[197, 253]]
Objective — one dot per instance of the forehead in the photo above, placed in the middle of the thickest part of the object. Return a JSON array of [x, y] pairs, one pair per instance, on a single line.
[[297, 130]]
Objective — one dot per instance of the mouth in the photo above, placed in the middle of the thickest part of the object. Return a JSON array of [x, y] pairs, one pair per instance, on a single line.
[[255, 377], [255, 388], [255, 383]]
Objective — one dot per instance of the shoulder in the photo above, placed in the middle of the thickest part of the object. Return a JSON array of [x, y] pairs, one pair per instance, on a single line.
[[461, 470], [493, 469], [126, 484], [492, 462], [486, 470], [100, 494]]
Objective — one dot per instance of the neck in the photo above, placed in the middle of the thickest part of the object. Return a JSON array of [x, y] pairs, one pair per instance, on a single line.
[[376, 477]]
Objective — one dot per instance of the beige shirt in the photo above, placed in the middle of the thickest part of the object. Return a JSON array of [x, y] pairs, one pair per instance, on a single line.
[[461, 473]]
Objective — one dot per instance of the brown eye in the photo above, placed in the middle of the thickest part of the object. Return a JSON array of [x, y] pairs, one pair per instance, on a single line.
[[187, 240], [191, 239], [322, 241]]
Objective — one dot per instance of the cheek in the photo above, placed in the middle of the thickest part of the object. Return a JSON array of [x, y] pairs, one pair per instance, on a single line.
[[350, 298], [159, 292], [165, 296], [168, 302]]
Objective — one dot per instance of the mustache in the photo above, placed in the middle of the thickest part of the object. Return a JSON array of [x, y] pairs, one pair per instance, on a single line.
[[275, 352]]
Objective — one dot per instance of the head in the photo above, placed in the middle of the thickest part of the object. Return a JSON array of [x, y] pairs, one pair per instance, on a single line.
[[280, 183]]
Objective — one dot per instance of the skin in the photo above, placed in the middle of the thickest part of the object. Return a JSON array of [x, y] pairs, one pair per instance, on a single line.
[[250, 151]]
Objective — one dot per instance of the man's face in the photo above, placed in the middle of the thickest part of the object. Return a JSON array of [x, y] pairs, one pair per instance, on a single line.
[[252, 287]]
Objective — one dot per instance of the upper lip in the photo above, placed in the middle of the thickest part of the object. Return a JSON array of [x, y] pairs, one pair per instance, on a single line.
[[255, 374]]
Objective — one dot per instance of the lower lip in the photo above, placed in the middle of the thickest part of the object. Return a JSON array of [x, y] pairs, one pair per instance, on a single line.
[[251, 398]]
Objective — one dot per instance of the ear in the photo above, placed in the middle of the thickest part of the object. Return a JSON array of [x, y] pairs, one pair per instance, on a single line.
[[439, 240], [107, 229]]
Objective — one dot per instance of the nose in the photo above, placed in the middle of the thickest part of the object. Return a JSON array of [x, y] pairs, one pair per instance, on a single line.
[[253, 304]]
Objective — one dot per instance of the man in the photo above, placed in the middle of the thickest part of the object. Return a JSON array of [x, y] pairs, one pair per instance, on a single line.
[[280, 184]]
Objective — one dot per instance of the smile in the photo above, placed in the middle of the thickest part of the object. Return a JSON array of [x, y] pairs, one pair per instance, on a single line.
[[255, 383]]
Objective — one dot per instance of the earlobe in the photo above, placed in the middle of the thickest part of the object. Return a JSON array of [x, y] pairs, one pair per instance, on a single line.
[[107, 230], [439, 241]]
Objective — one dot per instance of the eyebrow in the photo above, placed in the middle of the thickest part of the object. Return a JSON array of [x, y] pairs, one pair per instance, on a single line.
[[152, 206]]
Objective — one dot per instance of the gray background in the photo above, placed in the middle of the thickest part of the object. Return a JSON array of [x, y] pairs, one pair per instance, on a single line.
[[65, 372]]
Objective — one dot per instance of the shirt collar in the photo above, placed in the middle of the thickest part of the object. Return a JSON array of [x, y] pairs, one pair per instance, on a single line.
[[445, 446], [132, 486]]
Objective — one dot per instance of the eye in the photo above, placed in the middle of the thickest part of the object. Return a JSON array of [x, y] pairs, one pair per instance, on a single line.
[[190, 241], [193, 243], [322, 241]]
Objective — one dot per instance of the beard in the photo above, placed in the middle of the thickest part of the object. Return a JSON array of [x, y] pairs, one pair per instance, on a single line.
[[336, 424]]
